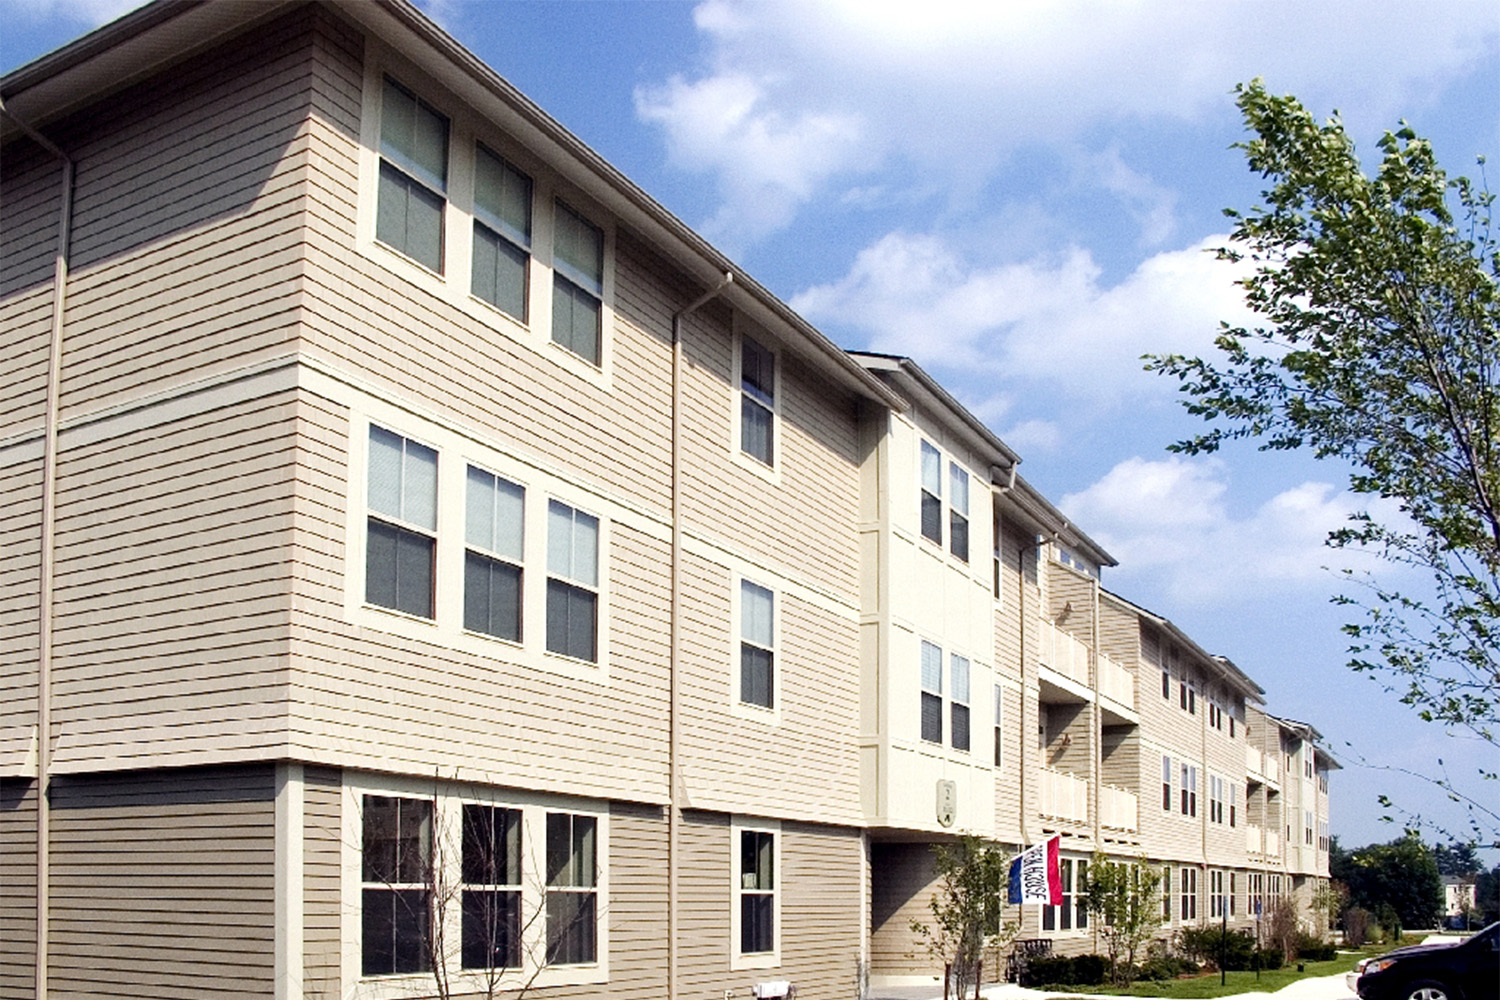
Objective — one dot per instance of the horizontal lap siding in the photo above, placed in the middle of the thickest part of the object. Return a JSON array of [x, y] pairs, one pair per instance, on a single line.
[[322, 844], [163, 884], [166, 289], [20, 555], [30, 213], [171, 603], [17, 889], [637, 904], [903, 879]]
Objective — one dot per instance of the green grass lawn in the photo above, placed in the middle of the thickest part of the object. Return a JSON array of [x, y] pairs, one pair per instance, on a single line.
[[1207, 984]]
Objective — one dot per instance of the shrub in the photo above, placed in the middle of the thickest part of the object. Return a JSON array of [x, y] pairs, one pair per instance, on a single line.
[[1090, 970], [1272, 958], [1200, 944], [1357, 923], [1314, 949], [1048, 970], [1389, 922]]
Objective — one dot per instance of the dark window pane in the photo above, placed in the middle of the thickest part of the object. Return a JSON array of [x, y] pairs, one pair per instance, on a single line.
[[409, 218], [960, 727], [932, 717], [394, 931], [398, 569], [492, 596], [757, 431], [571, 620], [1049, 918], [491, 845], [570, 850], [570, 928], [757, 924], [932, 517], [756, 677], [575, 319], [757, 371], [491, 929], [958, 529], [499, 272]]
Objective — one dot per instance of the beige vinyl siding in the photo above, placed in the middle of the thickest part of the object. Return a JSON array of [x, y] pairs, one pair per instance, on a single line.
[[1016, 624], [905, 879], [162, 884], [1070, 600], [637, 903], [322, 846], [20, 548], [172, 586], [17, 888], [30, 207]]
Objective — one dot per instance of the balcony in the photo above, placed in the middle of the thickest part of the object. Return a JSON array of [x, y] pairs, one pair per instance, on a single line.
[[1254, 839], [1117, 808], [1064, 796], [1063, 653], [1257, 763], [1273, 844], [1116, 682]]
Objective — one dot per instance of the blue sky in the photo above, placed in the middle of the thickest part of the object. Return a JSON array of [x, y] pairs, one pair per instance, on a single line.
[[1022, 196]]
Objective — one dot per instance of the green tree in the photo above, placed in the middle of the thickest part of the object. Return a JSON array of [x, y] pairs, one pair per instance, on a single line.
[[1378, 344], [1457, 859], [1124, 901], [966, 907], [1402, 875]]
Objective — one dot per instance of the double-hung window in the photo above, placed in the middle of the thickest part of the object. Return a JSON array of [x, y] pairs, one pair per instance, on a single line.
[[1234, 890], [999, 715], [577, 284], [1166, 683], [401, 544], [413, 176], [1307, 827], [1188, 884], [1216, 904], [932, 493], [1166, 783], [757, 645], [1072, 912], [572, 889], [395, 898], [1215, 799], [572, 582], [1166, 894], [959, 706], [502, 233], [757, 892], [491, 903], [757, 401], [1234, 795], [493, 534], [958, 511], [1189, 790], [932, 693]]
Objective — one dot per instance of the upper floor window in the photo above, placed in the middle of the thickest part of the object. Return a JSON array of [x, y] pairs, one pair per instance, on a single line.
[[757, 645], [1234, 798], [959, 709], [572, 582], [413, 176], [958, 511], [932, 493], [493, 532], [1215, 799], [932, 693], [1166, 783], [1189, 790], [757, 401], [502, 233], [577, 284], [1166, 683], [999, 715], [402, 530], [1189, 697]]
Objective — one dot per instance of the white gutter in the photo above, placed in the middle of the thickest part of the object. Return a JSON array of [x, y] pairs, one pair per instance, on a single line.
[[46, 561]]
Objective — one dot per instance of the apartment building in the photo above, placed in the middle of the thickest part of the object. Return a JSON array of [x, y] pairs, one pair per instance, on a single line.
[[427, 560]]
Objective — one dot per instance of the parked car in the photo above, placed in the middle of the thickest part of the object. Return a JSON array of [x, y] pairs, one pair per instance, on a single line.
[[1461, 970]]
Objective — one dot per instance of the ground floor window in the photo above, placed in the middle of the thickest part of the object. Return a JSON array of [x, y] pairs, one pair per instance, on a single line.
[[755, 860], [1187, 884], [1071, 914]]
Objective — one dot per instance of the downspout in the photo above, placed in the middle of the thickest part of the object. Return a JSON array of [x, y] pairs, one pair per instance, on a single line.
[[45, 561], [674, 809], [1096, 759]]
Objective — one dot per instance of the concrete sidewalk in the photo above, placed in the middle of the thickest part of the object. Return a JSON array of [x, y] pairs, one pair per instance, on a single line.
[[1315, 988]]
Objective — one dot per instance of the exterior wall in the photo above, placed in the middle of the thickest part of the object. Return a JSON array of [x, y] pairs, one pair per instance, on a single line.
[[179, 866], [905, 877], [20, 588], [322, 846], [1016, 796], [17, 888]]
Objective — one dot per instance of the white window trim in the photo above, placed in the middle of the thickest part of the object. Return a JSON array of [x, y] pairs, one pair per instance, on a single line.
[[465, 129], [770, 473], [737, 707], [456, 452], [1071, 897], [758, 960], [358, 552], [449, 800]]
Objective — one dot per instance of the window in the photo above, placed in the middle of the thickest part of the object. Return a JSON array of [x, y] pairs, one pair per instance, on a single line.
[[1215, 799], [491, 902], [757, 401], [413, 176], [402, 539], [1216, 904], [572, 879], [1307, 768], [1071, 913], [1307, 827], [1323, 782], [577, 283], [1189, 697], [757, 891], [932, 494], [1215, 715], [1231, 725], [1166, 784], [395, 905], [1233, 892], [1166, 684], [958, 511], [959, 708], [932, 693], [757, 645], [999, 714], [1188, 886], [572, 582], [1189, 790], [1234, 795], [1255, 889], [493, 533], [1166, 894], [502, 233]]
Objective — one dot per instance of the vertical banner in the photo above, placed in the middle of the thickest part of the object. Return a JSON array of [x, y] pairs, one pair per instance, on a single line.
[[1036, 876]]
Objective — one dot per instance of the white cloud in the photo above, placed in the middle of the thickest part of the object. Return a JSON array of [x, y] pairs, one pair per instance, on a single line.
[[1172, 521], [1045, 320], [797, 93], [1150, 204]]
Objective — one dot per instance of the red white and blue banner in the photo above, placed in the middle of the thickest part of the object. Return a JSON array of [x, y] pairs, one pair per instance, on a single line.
[[1035, 876]]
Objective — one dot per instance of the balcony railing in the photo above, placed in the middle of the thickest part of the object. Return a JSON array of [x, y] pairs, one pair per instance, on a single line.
[[1063, 653], [1273, 844], [1064, 796], [1117, 808], [1261, 763], [1254, 839], [1116, 682]]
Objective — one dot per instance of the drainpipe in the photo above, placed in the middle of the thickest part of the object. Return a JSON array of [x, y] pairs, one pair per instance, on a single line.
[[1096, 759], [674, 809], [45, 561]]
